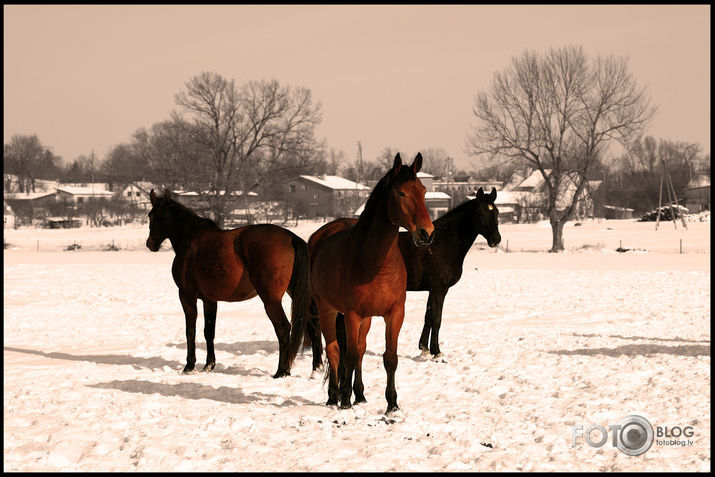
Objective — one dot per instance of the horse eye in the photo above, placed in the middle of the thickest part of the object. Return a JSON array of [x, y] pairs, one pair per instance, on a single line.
[[401, 194]]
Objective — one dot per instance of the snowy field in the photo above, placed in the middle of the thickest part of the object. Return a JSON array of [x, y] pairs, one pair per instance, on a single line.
[[534, 343]]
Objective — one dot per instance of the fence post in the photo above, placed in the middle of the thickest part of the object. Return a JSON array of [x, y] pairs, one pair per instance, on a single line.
[[507, 246], [681, 245]]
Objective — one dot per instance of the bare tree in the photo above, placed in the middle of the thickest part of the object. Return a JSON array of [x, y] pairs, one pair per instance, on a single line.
[[173, 159], [436, 161], [28, 160], [245, 131], [559, 112]]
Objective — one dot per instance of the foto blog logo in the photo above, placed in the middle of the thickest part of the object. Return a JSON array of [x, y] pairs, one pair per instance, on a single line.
[[633, 436]]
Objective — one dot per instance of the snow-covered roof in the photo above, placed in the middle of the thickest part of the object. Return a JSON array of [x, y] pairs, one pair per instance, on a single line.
[[75, 190], [699, 181], [535, 179], [423, 175], [29, 196], [195, 194], [436, 195], [335, 182]]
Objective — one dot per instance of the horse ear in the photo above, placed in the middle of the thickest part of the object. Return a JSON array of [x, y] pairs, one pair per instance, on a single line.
[[417, 164], [493, 194], [396, 165], [480, 193], [152, 197], [167, 194]]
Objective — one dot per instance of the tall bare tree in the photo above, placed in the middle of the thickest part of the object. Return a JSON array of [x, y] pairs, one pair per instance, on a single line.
[[245, 131], [559, 112]]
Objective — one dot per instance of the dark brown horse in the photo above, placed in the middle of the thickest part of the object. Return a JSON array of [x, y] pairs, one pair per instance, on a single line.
[[357, 270], [438, 267], [215, 265]]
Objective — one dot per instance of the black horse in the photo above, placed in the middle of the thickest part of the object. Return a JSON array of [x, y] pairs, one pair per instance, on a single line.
[[438, 267], [214, 265]]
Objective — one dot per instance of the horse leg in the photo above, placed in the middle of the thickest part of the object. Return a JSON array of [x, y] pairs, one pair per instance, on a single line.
[[393, 324], [316, 341], [190, 311], [209, 332], [281, 325], [350, 357], [332, 351], [358, 386], [437, 299], [424, 337]]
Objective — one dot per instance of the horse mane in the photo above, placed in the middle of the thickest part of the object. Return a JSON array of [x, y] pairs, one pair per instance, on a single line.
[[185, 214], [458, 211], [380, 190]]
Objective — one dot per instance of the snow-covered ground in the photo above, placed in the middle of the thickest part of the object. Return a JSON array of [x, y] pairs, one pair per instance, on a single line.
[[534, 343]]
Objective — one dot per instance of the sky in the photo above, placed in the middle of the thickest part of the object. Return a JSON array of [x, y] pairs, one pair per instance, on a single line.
[[85, 78]]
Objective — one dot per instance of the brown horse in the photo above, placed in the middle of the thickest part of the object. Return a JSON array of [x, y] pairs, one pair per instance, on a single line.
[[214, 265], [357, 270]]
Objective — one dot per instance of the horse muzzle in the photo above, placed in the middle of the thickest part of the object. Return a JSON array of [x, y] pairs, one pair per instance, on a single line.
[[422, 238], [494, 241], [152, 245]]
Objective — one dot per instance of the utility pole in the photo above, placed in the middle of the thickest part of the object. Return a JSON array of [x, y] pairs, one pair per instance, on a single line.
[[450, 180], [359, 158]]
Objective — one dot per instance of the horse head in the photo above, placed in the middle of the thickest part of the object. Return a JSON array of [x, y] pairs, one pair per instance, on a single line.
[[406, 201], [486, 217], [159, 226]]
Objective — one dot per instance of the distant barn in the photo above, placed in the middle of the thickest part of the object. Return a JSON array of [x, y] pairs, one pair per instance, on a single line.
[[324, 196]]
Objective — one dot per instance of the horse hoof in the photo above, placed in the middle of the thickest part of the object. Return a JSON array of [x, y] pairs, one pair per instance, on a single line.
[[281, 374], [332, 402], [209, 367], [391, 409], [188, 370], [346, 405], [359, 400]]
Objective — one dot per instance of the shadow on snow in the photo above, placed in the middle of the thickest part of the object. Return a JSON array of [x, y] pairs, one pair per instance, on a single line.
[[201, 391]]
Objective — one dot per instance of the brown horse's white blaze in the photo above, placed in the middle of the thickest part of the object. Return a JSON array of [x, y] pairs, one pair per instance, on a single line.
[[356, 269]]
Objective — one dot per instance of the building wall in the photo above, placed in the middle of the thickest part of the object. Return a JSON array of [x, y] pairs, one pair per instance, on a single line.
[[314, 200], [697, 199]]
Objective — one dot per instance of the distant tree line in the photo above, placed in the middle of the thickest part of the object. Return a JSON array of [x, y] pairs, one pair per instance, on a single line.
[[557, 110]]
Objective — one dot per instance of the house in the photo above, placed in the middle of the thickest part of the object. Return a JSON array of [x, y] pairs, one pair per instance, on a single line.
[[324, 196], [697, 194], [532, 196], [137, 194], [31, 205], [82, 194]]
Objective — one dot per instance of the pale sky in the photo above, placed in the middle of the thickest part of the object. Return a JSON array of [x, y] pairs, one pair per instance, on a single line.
[[86, 78]]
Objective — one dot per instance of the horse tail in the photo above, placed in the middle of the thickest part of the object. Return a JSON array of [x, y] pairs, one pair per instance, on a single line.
[[342, 338], [312, 328], [299, 288]]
